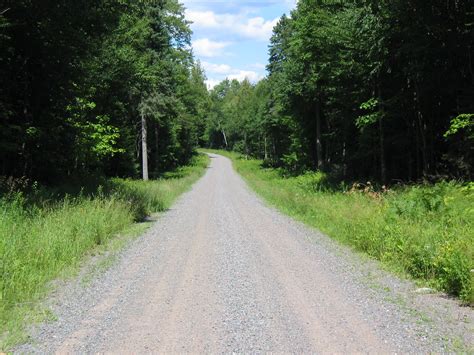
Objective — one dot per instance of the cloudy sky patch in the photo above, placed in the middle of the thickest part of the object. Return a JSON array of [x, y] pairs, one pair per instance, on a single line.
[[231, 38]]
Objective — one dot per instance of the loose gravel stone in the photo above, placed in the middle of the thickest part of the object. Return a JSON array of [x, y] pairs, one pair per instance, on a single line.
[[222, 272]]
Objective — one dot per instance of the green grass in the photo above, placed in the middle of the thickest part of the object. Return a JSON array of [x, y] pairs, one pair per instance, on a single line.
[[423, 231], [43, 238]]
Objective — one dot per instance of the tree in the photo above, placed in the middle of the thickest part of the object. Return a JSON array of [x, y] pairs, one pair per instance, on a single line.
[[77, 76], [362, 90]]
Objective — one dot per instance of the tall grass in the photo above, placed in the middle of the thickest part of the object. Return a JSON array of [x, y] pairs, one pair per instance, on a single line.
[[425, 231], [42, 237]]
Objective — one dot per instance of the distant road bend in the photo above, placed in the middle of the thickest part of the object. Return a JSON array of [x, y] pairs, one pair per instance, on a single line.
[[222, 272]]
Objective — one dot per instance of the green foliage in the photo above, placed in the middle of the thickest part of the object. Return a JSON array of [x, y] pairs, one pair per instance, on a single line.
[[420, 201], [313, 181], [459, 123], [96, 139], [37, 244], [371, 117], [411, 58], [76, 77]]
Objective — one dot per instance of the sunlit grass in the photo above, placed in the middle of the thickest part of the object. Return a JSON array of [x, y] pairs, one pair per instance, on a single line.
[[43, 240]]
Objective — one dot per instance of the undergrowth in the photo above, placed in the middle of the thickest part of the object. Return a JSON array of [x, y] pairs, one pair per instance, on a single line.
[[425, 231], [44, 233]]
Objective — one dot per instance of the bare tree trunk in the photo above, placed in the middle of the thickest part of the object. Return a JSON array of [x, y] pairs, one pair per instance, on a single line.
[[265, 147], [225, 138], [422, 128], [245, 145], [327, 153], [383, 168], [157, 148], [344, 154], [470, 63], [410, 159], [319, 146], [144, 149], [424, 146], [419, 168]]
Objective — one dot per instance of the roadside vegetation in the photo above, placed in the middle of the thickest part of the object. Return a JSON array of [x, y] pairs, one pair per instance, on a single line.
[[424, 231], [46, 233]]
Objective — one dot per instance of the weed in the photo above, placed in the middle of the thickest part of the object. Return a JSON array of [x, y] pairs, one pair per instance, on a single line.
[[44, 233]]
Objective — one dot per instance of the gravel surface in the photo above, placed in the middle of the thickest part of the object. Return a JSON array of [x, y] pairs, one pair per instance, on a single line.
[[223, 272]]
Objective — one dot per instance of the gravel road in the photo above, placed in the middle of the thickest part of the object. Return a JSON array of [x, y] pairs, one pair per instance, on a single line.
[[223, 272]]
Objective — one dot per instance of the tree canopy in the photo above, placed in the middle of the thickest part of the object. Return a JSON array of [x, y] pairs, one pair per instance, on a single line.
[[76, 76], [362, 89]]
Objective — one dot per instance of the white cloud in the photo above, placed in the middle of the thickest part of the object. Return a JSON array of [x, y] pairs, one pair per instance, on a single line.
[[221, 71], [257, 27], [254, 27], [216, 68], [241, 75], [207, 48], [202, 18]]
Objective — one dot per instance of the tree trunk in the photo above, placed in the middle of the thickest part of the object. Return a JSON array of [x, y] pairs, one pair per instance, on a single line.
[[144, 149], [383, 168], [327, 154], [344, 160], [245, 145], [424, 146], [265, 147], [225, 138], [157, 148], [471, 71], [319, 147], [419, 167], [422, 128]]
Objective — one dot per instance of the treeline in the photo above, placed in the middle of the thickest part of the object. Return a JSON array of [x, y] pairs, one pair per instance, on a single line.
[[76, 77], [362, 89]]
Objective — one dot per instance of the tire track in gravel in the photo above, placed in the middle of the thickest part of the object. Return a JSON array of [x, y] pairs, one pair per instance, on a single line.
[[222, 272]]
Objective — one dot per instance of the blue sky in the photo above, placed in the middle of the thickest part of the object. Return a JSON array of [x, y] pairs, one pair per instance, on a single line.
[[231, 38]]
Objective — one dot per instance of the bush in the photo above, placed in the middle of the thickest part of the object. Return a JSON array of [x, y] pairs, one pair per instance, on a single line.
[[313, 181], [418, 201]]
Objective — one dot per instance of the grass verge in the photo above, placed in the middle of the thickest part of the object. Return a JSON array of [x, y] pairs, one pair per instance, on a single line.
[[43, 238], [423, 231]]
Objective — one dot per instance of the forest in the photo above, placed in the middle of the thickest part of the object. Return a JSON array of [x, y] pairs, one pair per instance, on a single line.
[[363, 90], [360, 89], [78, 76]]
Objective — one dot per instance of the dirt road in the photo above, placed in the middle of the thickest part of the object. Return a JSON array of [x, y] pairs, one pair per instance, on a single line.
[[222, 272]]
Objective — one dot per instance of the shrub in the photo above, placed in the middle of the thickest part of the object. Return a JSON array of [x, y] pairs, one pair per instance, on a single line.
[[313, 181]]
